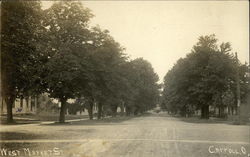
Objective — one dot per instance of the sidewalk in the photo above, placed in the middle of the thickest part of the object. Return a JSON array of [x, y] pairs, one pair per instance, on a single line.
[[39, 119], [7, 126]]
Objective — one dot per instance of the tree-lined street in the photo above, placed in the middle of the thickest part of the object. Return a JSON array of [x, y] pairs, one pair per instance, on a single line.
[[69, 88], [148, 135], [65, 58]]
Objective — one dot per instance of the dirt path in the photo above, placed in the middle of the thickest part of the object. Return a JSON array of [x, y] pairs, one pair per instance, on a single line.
[[147, 136]]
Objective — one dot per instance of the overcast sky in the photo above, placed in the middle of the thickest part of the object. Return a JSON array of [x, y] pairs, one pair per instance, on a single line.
[[163, 31]]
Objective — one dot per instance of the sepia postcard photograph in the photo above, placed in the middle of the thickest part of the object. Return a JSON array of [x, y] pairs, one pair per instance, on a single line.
[[126, 78]]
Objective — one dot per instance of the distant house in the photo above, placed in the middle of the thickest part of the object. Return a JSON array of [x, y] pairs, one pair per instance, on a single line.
[[223, 111], [28, 105]]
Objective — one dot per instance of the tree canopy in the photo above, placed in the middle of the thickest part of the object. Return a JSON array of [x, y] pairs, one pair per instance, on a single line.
[[21, 33], [202, 78], [55, 51]]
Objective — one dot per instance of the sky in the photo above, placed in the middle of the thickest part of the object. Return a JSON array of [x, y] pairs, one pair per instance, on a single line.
[[164, 31]]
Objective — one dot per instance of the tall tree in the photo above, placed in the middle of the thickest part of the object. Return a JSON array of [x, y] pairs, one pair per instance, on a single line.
[[67, 27], [144, 82], [20, 33], [201, 77], [106, 59]]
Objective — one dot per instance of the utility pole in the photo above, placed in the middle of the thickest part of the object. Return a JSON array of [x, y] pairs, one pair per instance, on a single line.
[[237, 85]]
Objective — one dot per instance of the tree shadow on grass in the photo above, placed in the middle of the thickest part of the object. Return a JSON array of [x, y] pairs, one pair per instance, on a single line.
[[19, 136], [31, 118], [18, 146], [104, 121], [211, 120], [19, 122]]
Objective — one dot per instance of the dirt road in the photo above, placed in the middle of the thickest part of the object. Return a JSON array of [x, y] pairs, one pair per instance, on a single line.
[[155, 135]]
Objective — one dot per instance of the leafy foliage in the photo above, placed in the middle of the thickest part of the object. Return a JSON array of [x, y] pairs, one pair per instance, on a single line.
[[201, 78], [144, 84], [21, 55], [54, 51]]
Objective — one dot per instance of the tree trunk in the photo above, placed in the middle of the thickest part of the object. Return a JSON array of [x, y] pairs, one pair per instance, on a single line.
[[31, 103], [9, 103], [122, 109], [37, 102], [205, 112], [219, 111], [27, 103], [114, 110], [222, 111], [127, 110], [21, 102], [90, 110], [62, 110], [99, 114], [2, 104], [136, 112]]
